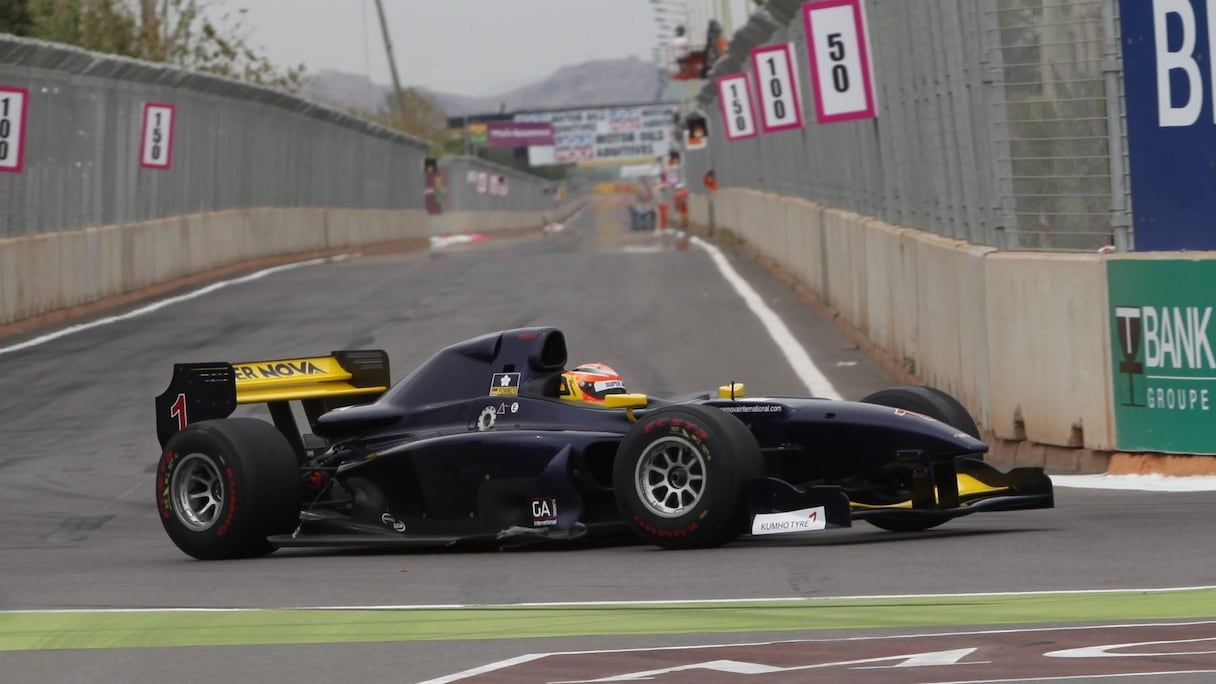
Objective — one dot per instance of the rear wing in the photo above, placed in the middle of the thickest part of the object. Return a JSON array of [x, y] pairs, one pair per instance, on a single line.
[[205, 391]]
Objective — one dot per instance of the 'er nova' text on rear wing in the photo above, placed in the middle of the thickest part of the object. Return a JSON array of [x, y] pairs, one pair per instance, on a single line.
[[205, 391]]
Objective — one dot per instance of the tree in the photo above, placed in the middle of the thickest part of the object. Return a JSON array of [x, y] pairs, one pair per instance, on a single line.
[[97, 25], [15, 17], [179, 32], [417, 114]]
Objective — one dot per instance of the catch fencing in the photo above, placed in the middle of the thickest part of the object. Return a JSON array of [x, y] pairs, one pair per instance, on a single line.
[[234, 146], [473, 184], [1000, 122]]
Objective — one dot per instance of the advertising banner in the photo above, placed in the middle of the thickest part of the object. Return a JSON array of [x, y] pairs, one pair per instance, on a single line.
[[510, 134], [610, 135], [1171, 121], [1163, 362]]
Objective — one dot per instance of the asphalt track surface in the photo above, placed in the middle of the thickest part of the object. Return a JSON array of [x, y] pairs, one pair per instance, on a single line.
[[78, 527]]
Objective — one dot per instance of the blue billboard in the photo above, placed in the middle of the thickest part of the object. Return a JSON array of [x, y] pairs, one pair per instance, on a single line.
[[1171, 121]]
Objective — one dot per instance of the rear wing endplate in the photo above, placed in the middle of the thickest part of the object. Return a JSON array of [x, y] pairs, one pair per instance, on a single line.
[[205, 391]]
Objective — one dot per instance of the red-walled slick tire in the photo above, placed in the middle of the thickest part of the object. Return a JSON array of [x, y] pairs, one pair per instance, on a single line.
[[223, 486], [681, 473]]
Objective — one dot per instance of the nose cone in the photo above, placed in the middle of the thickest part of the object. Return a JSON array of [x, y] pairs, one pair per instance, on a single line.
[[921, 431], [970, 444]]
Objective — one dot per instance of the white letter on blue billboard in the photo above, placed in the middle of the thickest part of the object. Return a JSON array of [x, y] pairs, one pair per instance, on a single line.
[[1211, 41], [1168, 61]]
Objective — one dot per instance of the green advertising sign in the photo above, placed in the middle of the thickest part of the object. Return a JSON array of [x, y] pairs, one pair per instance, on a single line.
[[1162, 354]]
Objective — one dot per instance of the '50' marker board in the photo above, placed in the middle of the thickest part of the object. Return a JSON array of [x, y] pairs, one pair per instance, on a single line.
[[839, 53], [14, 107], [777, 87], [156, 142], [738, 112]]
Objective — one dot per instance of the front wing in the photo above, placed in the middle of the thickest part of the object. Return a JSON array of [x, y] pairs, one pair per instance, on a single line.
[[940, 492], [963, 486]]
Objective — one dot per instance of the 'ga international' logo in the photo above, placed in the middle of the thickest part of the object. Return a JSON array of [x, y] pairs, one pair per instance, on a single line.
[[1169, 347]]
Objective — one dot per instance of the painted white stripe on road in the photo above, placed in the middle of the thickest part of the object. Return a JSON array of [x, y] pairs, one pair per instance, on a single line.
[[626, 603], [488, 668], [795, 354], [156, 306], [1142, 483], [1143, 676]]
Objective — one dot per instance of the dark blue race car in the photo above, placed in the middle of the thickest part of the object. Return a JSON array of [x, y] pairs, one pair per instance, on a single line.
[[492, 441]]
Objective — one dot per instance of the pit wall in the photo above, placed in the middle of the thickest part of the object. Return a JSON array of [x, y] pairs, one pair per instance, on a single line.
[[1020, 338], [44, 274]]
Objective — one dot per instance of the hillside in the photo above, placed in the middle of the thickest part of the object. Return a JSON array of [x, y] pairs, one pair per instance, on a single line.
[[596, 82]]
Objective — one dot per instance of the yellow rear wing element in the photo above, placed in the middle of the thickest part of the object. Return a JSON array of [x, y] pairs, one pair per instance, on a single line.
[[289, 379], [205, 391]]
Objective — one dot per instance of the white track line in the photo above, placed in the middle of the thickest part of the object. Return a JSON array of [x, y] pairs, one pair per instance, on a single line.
[[1143, 676], [795, 354], [156, 306], [629, 603], [1143, 483]]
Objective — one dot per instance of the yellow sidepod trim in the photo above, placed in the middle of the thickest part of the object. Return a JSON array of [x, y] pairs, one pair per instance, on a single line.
[[290, 379]]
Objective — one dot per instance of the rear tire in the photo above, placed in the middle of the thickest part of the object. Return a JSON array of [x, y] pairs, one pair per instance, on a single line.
[[936, 404], [680, 476], [223, 486]]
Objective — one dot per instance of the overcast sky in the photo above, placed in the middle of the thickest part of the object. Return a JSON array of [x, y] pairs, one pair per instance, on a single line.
[[473, 47]]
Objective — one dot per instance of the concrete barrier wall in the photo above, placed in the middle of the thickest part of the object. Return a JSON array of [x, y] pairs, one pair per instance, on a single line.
[[463, 222], [1047, 325], [43, 273], [1019, 338]]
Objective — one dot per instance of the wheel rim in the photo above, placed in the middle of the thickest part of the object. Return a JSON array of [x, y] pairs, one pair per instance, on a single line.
[[670, 477], [198, 492]]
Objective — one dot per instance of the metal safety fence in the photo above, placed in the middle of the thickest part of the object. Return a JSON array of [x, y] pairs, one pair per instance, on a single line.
[[473, 184], [999, 122], [86, 133]]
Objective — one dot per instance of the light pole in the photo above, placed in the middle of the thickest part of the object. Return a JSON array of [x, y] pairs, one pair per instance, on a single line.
[[392, 61]]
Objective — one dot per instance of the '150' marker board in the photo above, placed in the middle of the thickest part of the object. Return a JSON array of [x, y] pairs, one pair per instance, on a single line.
[[156, 141], [738, 112]]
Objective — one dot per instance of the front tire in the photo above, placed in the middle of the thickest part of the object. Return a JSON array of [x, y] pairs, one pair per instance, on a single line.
[[680, 476], [223, 486], [936, 404], [927, 401]]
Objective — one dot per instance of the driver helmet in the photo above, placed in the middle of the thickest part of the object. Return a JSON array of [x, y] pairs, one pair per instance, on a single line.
[[591, 382]]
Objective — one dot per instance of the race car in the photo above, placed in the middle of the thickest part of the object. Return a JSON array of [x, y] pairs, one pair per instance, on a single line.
[[493, 440]]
